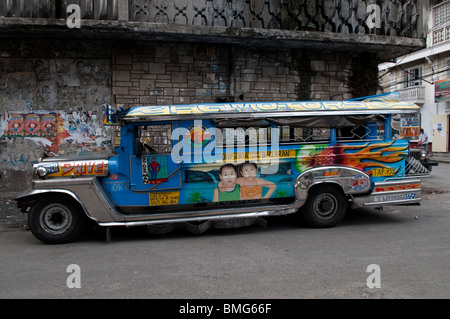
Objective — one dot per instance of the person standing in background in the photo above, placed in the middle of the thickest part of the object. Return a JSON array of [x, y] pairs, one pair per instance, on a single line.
[[423, 139]]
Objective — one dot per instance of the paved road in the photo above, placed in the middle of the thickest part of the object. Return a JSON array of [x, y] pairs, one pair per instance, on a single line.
[[409, 244]]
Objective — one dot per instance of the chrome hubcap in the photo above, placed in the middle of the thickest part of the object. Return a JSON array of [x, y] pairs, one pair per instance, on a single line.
[[325, 205], [55, 218]]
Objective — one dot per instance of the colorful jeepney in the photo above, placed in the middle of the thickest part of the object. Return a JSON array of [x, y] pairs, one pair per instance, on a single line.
[[206, 163]]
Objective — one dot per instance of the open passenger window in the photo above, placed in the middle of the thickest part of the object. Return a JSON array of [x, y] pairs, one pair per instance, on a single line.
[[290, 134], [246, 136], [370, 131], [155, 139]]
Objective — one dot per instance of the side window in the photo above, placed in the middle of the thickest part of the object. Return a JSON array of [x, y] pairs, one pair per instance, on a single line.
[[246, 136], [290, 134], [252, 136], [369, 131], [155, 139]]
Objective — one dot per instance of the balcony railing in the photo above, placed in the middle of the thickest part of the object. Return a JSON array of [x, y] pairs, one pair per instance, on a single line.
[[441, 34], [415, 94], [393, 18]]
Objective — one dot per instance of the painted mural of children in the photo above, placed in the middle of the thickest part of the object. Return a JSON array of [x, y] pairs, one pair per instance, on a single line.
[[227, 190], [252, 186]]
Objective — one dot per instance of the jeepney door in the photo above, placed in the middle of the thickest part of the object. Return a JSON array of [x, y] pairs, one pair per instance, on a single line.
[[152, 168]]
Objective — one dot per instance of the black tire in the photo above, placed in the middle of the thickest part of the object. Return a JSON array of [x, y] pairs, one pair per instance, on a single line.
[[56, 220], [325, 207]]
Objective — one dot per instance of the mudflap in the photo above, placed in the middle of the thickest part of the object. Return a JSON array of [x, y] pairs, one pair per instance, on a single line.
[[199, 228]]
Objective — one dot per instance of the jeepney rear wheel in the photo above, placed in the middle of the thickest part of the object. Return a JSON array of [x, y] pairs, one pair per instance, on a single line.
[[56, 220], [325, 207]]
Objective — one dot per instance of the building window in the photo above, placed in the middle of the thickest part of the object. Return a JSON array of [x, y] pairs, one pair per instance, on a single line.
[[412, 77], [442, 14], [441, 22]]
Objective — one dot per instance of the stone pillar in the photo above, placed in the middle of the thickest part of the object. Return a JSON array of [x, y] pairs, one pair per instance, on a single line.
[[122, 10]]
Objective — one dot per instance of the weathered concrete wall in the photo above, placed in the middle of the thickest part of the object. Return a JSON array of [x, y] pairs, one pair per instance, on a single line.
[[54, 74], [51, 92]]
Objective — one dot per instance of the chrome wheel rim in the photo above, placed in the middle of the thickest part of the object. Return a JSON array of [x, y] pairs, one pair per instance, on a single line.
[[55, 219], [325, 205]]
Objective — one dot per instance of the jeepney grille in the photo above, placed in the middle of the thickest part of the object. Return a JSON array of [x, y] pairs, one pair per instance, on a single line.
[[415, 154]]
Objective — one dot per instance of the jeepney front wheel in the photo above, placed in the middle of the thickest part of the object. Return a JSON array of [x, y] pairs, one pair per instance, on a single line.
[[325, 207], [56, 220]]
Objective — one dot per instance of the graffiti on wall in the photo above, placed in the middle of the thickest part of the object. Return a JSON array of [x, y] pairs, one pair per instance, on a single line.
[[53, 133], [31, 125]]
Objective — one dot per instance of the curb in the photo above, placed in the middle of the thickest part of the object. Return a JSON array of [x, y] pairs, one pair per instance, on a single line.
[[440, 159]]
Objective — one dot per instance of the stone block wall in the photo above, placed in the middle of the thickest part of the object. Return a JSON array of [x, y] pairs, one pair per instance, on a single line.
[[168, 73], [174, 73]]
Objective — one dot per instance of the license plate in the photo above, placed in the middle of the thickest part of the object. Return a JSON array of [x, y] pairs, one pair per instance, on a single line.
[[385, 171]]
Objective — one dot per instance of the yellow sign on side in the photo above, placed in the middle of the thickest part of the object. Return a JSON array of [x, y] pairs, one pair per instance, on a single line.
[[384, 171], [257, 156], [164, 198]]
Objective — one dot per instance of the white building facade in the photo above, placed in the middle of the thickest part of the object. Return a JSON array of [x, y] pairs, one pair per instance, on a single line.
[[423, 77]]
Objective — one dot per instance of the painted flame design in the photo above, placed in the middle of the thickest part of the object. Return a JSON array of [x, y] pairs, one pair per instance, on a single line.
[[374, 155], [377, 155]]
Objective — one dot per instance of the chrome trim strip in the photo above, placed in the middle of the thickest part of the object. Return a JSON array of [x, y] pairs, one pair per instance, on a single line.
[[200, 218], [214, 213], [397, 202], [364, 201], [398, 191], [403, 180]]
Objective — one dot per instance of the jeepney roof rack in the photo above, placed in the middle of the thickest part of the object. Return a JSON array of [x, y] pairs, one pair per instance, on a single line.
[[257, 110]]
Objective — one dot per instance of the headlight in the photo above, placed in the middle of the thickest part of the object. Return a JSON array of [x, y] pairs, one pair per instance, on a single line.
[[41, 171], [423, 153]]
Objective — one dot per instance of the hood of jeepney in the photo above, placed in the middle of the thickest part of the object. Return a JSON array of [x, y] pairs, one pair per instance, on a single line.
[[59, 167]]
